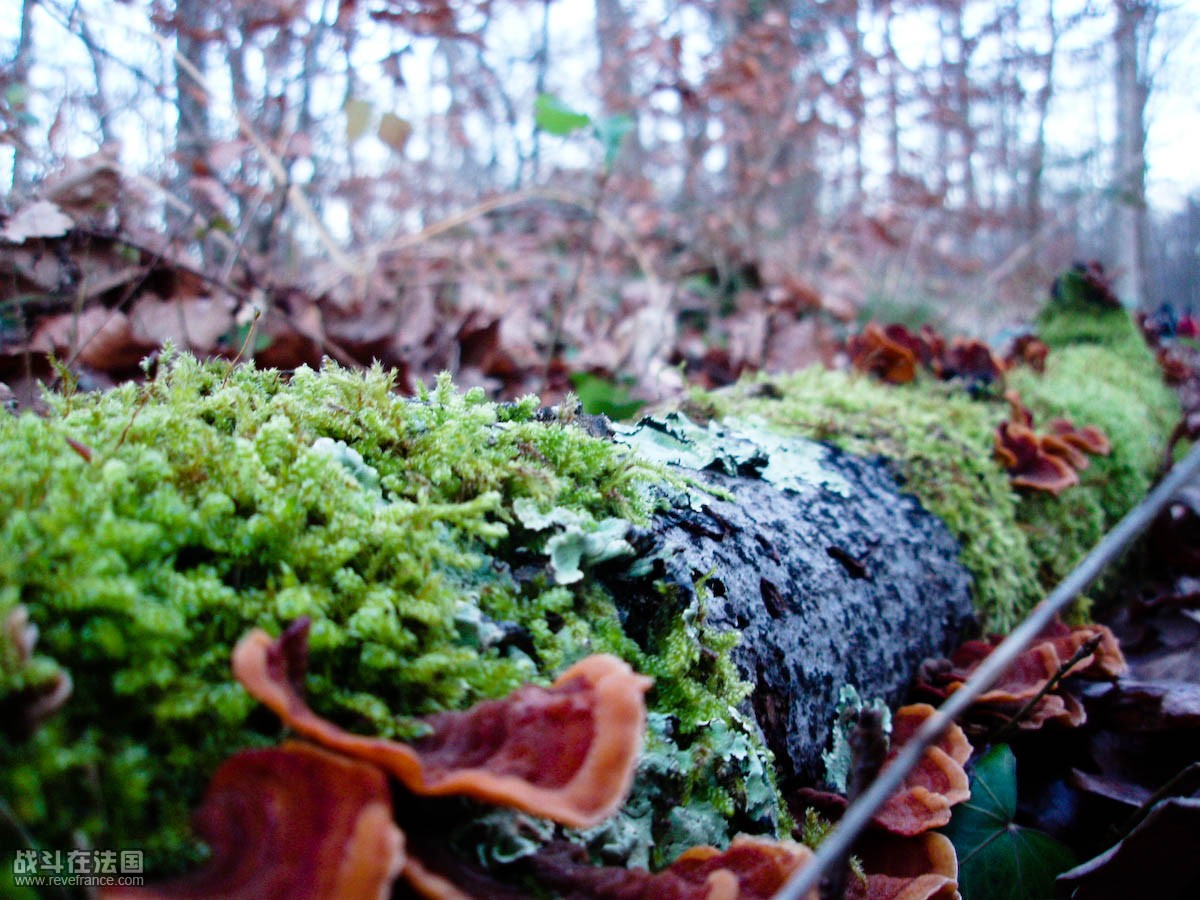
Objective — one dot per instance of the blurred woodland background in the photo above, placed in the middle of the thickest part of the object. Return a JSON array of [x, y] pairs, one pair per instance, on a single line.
[[546, 195]]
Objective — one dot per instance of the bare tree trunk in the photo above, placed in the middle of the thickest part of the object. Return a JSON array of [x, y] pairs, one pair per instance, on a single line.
[[616, 78], [192, 126], [22, 177], [895, 162], [1135, 21], [100, 99], [1037, 156]]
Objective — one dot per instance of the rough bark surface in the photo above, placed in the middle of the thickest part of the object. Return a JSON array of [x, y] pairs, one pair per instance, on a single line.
[[839, 580]]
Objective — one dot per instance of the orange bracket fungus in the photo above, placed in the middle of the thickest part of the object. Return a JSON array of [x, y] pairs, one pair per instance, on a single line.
[[924, 867], [894, 353], [749, 869], [1028, 463], [1029, 674], [302, 821], [878, 351], [1045, 462], [1029, 350], [972, 360], [936, 784]]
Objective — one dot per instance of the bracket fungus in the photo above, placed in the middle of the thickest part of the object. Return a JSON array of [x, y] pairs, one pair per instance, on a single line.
[[749, 869], [293, 821], [317, 822], [884, 352], [971, 360], [41, 686], [894, 354], [937, 783], [565, 753], [1029, 464], [1028, 675], [924, 867], [1045, 462], [1027, 349]]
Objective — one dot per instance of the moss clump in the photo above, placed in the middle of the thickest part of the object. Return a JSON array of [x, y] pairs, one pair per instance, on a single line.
[[1017, 546], [1099, 372], [215, 500]]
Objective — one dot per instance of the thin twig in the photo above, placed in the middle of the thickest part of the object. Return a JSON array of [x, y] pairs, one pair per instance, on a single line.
[[1167, 790], [1111, 545]]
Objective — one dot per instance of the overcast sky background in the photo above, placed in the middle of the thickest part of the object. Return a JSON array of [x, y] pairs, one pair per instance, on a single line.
[[1083, 116]]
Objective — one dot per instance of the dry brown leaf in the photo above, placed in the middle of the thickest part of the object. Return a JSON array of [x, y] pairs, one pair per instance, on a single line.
[[39, 219], [195, 323], [97, 337]]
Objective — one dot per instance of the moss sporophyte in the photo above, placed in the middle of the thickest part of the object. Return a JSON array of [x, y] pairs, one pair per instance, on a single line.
[[441, 547]]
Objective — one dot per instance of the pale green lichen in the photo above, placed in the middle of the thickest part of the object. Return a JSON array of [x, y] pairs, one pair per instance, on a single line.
[[838, 758], [217, 499]]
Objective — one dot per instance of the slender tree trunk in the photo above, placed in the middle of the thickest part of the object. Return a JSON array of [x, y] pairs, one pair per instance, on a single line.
[[616, 78], [192, 126], [895, 162], [1037, 155], [23, 168], [1135, 19]]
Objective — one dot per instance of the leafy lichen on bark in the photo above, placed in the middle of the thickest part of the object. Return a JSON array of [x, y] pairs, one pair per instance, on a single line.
[[215, 500]]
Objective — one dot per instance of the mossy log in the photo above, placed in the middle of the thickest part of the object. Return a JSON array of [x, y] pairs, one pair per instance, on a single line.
[[448, 549]]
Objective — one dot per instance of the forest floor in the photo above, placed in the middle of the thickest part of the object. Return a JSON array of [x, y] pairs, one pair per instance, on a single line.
[[90, 302]]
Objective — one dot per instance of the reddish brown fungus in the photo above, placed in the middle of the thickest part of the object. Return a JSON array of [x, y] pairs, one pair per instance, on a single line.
[[897, 868], [1029, 350], [972, 360], [566, 752], [290, 823], [1029, 465], [1090, 439], [872, 351], [750, 869], [1029, 674]]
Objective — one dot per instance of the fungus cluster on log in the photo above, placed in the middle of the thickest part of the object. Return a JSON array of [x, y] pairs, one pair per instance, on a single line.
[[1050, 461], [317, 818], [1088, 651], [895, 354]]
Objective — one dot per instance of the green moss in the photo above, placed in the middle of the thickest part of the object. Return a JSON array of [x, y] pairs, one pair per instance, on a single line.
[[1017, 546], [216, 500]]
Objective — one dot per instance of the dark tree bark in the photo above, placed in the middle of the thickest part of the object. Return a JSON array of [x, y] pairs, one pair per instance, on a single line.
[[833, 577]]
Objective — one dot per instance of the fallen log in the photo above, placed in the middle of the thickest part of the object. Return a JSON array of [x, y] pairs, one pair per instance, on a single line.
[[447, 550]]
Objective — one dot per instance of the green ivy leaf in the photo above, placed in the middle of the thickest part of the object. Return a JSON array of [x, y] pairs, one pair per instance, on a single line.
[[553, 117], [601, 397], [997, 859], [611, 131]]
